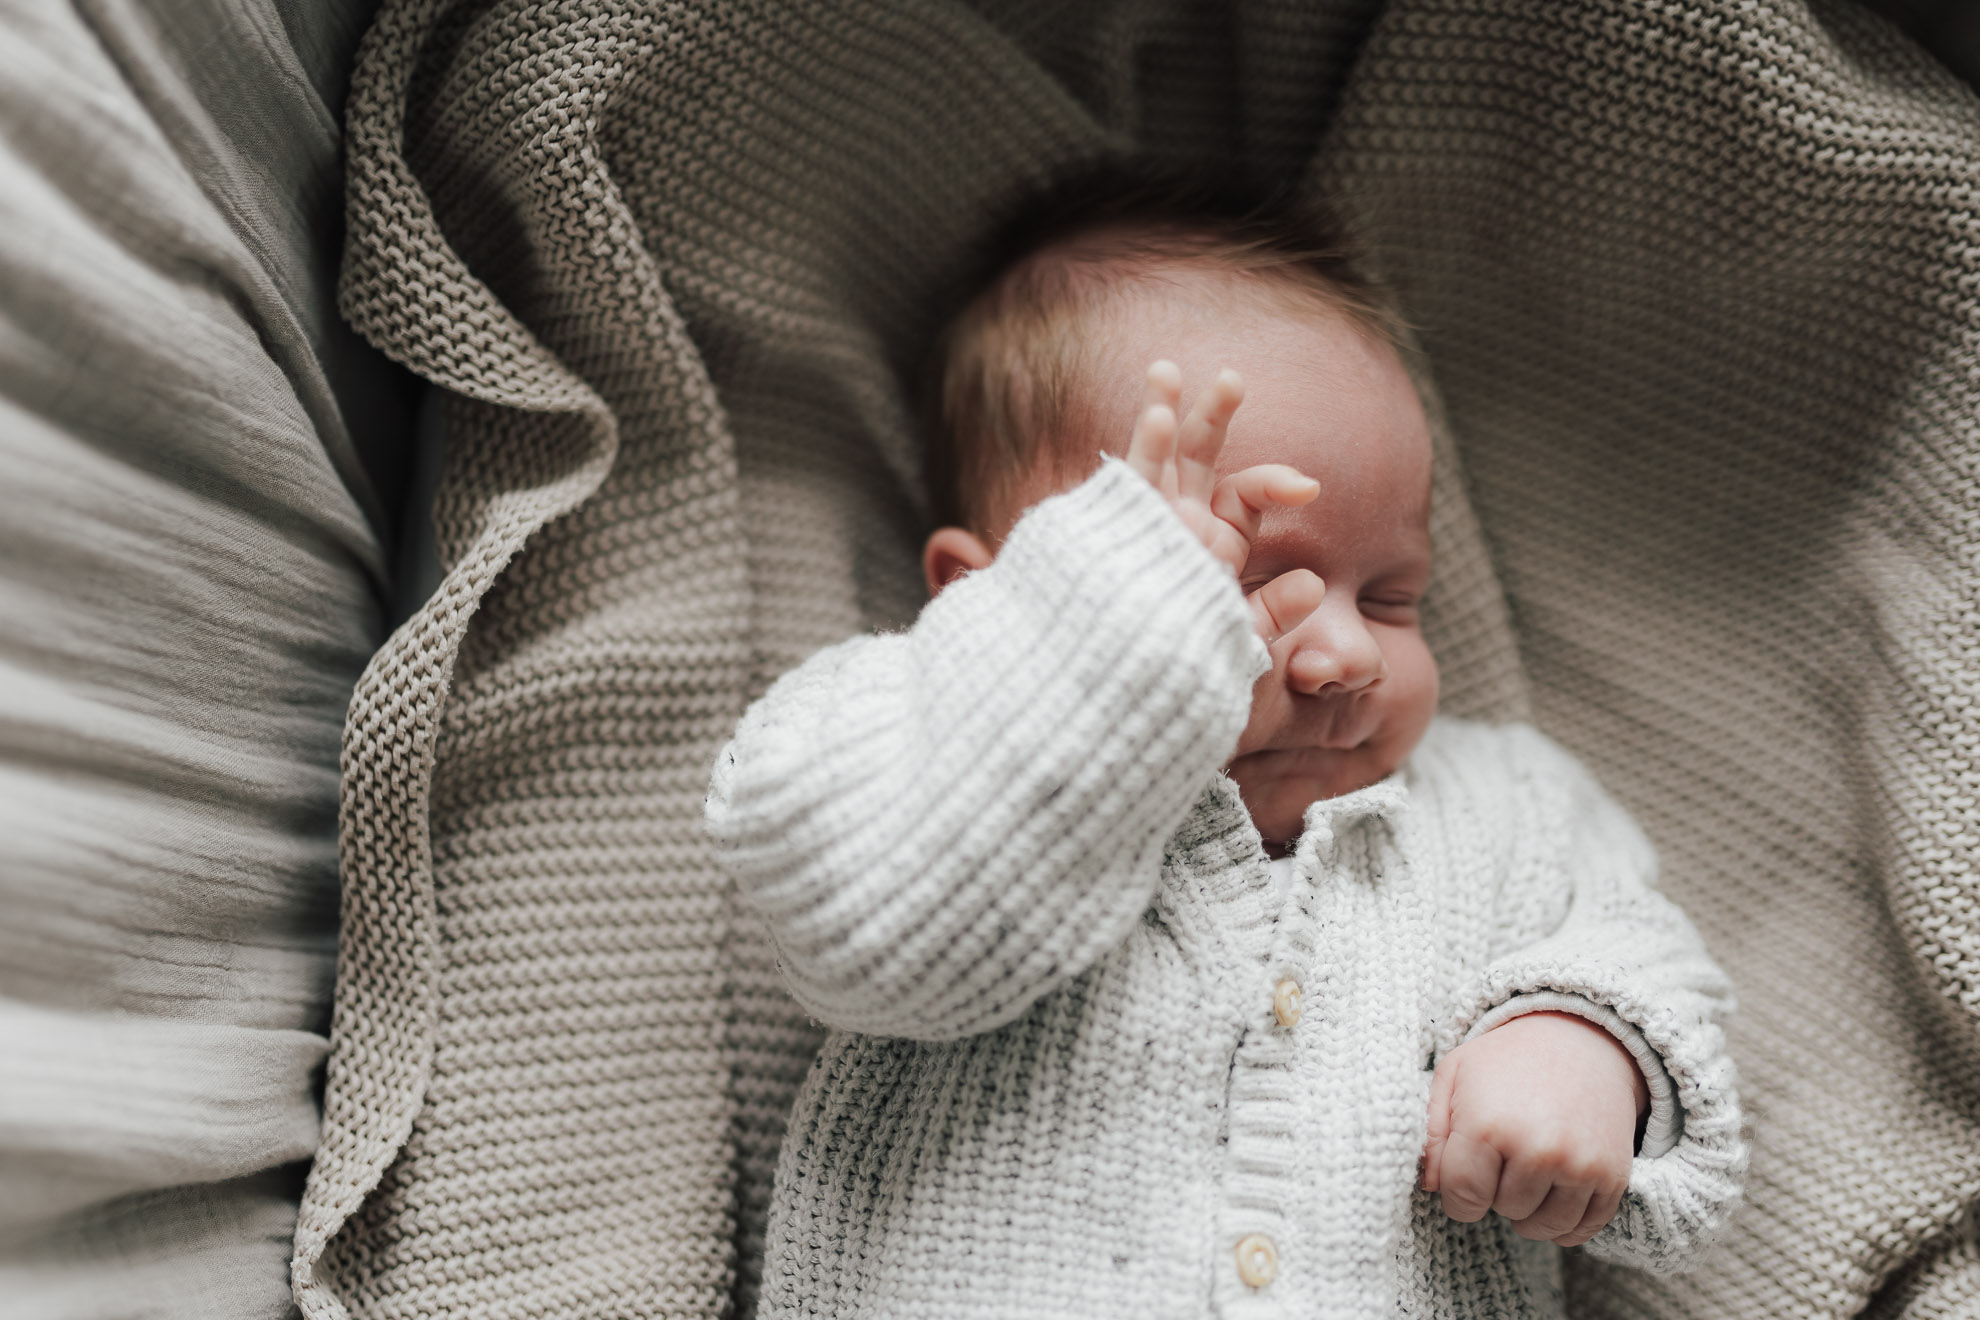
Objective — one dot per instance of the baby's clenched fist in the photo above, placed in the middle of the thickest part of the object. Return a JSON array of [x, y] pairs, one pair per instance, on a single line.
[[1535, 1120]]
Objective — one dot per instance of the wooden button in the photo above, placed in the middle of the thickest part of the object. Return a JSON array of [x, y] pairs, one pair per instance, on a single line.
[[1285, 1002], [1257, 1260]]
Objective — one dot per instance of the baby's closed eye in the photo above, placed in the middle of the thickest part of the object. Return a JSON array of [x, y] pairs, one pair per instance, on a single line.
[[1391, 606]]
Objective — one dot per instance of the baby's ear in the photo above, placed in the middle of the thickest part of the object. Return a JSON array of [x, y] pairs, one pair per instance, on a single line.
[[950, 553]]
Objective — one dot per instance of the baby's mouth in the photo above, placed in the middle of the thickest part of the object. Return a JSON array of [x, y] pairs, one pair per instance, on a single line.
[[1299, 756], [1345, 729]]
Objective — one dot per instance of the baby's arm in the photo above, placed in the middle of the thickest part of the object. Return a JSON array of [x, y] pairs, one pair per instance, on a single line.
[[1608, 1018], [942, 825]]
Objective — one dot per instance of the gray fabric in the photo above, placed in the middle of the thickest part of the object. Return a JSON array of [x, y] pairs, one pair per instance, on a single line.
[[1699, 275], [1703, 308], [1950, 29], [191, 576]]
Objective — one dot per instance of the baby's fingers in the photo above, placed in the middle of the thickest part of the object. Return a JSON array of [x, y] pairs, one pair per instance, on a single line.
[[1152, 448], [1524, 1185], [1468, 1177], [1556, 1215], [1602, 1207], [1441, 1084], [1201, 436], [1163, 385], [1277, 608], [1242, 498]]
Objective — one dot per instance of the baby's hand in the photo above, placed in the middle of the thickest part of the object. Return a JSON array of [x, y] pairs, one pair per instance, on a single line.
[[1535, 1119], [1180, 460]]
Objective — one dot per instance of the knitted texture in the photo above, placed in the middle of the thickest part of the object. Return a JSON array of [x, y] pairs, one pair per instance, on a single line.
[[958, 760], [1720, 415], [999, 842], [1696, 275]]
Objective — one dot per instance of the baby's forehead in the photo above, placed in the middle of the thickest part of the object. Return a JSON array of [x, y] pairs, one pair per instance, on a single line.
[[1150, 306], [1323, 393], [1207, 318], [1178, 311], [1044, 370]]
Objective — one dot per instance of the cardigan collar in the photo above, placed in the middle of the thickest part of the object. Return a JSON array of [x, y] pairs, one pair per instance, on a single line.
[[1221, 814], [1328, 818]]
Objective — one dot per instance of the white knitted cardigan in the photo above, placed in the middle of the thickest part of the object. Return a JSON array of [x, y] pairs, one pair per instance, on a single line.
[[998, 842]]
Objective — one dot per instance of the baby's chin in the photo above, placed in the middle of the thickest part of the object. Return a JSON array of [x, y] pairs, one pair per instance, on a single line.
[[1278, 786]]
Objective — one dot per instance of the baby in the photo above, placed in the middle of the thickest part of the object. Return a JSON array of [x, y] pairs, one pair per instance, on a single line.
[[1180, 960]]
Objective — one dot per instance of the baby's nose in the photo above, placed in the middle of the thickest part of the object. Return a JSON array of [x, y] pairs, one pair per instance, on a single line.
[[1334, 653]]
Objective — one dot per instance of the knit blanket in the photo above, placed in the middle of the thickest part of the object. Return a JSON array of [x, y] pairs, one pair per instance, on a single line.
[[1699, 282]]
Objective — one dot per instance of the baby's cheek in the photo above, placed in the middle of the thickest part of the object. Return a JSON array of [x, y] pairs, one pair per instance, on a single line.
[[1421, 676], [1268, 713], [1413, 697]]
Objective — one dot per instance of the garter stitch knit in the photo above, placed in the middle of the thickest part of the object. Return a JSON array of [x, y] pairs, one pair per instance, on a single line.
[[1700, 281], [995, 853]]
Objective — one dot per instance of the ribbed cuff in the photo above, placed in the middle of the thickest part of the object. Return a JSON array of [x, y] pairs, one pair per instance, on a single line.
[[1664, 1127], [1114, 534], [1111, 558]]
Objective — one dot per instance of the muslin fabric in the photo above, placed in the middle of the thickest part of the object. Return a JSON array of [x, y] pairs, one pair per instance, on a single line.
[[195, 565], [1695, 277]]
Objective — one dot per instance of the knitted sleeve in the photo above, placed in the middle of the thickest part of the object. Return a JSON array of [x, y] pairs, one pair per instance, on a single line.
[[942, 825], [1616, 951]]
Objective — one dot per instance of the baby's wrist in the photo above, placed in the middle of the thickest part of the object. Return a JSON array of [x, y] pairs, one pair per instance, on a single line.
[[1663, 1123], [1572, 1026]]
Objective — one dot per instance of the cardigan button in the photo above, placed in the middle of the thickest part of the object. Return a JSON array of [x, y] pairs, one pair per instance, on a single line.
[[1285, 1002], [1257, 1260]]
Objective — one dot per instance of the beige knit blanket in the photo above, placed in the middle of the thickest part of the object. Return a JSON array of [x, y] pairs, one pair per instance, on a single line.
[[1699, 280]]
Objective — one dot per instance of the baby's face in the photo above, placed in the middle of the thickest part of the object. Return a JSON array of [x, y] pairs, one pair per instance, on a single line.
[[1352, 688]]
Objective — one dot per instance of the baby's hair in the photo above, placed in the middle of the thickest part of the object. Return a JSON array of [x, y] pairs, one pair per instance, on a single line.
[[1015, 372]]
